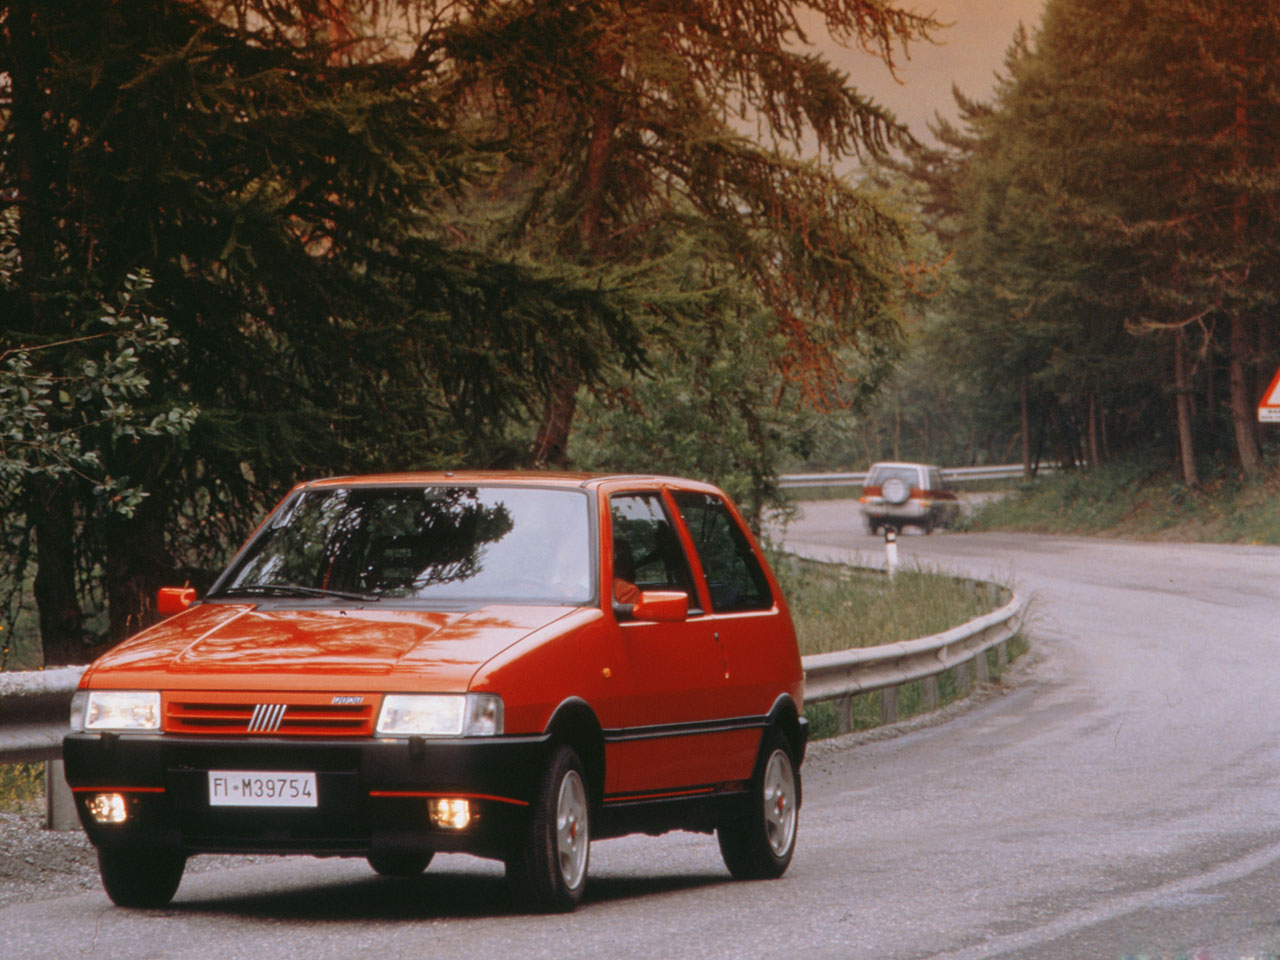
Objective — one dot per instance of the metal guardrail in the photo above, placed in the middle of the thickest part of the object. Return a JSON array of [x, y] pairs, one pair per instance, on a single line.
[[34, 706], [840, 676], [1010, 471], [34, 711]]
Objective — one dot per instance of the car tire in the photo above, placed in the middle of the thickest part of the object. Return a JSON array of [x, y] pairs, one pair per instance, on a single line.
[[399, 863], [759, 846], [146, 878], [547, 872]]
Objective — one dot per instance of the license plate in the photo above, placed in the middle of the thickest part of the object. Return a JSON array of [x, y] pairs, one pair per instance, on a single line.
[[261, 788]]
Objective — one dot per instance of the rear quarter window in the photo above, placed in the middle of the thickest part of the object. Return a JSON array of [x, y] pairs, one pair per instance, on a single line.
[[735, 578]]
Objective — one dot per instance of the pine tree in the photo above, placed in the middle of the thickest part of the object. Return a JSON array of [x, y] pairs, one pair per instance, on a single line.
[[1123, 184], [629, 127], [285, 178]]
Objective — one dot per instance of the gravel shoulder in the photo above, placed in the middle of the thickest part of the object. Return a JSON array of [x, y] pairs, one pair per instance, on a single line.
[[39, 864]]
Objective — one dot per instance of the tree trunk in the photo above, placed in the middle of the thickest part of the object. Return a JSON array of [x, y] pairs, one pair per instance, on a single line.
[[47, 502], [761, 478], [137, 562], [1105, 441], [1091, 430], [1243, 415], [1243, 410], [1025, 403], [551, 448], [1182, 404], [28, 59], [1211, 389], [1042, 436], [50, 511], [897, 424]]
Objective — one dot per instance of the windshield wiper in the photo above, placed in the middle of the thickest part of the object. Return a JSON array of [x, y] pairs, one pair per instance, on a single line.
[[292, 590]]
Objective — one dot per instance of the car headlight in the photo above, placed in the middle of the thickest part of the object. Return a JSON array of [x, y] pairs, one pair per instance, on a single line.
[[115, 710], [440, 715]]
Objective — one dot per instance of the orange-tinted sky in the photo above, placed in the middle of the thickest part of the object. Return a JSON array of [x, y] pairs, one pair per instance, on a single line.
[[966, 54]]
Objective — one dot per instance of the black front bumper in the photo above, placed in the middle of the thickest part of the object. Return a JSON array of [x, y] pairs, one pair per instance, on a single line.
[[372, 795]]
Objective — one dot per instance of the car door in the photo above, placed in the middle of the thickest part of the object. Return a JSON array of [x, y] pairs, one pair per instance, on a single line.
[[747, 614], [662, 735]]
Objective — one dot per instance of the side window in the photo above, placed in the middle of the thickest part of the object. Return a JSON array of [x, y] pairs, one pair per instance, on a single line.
[[646, 551], [734, 576]]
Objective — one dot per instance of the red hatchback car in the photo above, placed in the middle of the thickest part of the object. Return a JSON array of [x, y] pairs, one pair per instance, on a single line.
[[509, 665]]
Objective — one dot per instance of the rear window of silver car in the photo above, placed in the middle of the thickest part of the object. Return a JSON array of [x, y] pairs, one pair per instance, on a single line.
[[879, 475]]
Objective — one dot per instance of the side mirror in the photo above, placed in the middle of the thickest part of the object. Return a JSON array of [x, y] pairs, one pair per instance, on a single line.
[[664, 606], [171, 600]]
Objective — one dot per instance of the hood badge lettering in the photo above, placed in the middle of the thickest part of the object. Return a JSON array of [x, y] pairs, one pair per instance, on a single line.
[[337, 701]]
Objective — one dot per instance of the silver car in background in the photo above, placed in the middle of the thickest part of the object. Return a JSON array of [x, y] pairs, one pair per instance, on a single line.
[[898, 495]]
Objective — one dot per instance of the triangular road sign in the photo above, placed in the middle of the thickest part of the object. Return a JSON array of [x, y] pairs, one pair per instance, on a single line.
[[1269, 406]]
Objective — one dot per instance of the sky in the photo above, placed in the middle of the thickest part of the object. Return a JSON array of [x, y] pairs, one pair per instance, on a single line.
[[968, 54]]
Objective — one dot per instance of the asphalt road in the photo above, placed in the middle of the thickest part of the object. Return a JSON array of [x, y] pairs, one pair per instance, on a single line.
[[1122, 801]]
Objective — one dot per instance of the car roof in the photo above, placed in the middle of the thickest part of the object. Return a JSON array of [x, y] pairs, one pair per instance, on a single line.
[[903, 463], [532, 478]]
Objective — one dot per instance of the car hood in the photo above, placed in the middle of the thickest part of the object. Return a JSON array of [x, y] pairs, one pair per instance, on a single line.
[[241, 646]]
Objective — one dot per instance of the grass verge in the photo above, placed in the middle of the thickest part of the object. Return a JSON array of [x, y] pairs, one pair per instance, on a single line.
[[836, 607], [1135, 501]]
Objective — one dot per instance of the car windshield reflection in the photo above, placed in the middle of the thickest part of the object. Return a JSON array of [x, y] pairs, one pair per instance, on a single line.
[[440, 544]]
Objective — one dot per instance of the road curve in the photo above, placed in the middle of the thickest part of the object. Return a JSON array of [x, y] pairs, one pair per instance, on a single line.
[[1126, 802], [1122, 800]]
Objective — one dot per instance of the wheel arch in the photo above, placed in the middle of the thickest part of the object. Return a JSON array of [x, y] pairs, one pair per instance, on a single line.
[[784, 716], [574, 723]]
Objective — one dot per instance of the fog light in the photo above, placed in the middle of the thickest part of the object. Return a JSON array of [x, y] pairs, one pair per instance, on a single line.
[[450, 813], [108, 808]]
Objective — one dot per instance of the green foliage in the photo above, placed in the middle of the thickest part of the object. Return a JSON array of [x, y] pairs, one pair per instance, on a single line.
[[928, 406], [930, 409], [21, 786], [19, 628], [294, 207], [1131, 498], [67, 410], [714, 408], [65, 405]]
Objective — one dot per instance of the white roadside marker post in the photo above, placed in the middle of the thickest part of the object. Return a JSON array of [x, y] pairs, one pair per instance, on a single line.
[[891, 550]]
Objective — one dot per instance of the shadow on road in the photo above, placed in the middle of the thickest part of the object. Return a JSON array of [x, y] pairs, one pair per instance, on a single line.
[[431, 896]]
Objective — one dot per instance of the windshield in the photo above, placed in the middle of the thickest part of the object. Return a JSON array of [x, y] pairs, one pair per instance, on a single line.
[[446, 544]]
